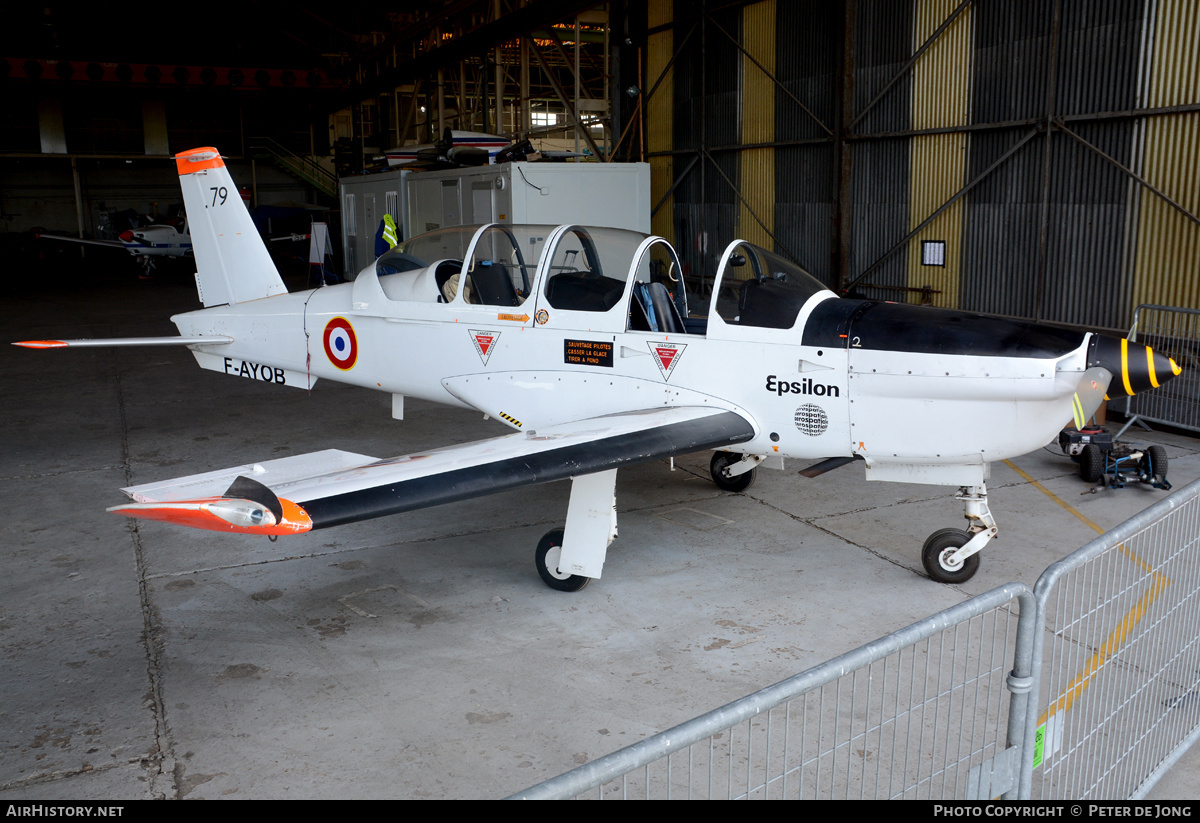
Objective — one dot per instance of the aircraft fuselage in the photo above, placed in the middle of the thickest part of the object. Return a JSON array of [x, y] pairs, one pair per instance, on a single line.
[[581, 340], [920, 394]]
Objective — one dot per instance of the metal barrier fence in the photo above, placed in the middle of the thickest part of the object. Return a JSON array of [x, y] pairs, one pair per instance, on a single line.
[[915, 714], [1110, 637], [1120, 657], [1174, 332]]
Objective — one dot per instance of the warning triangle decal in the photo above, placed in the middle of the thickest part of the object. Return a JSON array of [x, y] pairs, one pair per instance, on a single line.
[[485, 343], [666, 355]]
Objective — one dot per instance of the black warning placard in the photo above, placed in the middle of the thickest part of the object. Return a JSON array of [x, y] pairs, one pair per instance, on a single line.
[[588, 352]]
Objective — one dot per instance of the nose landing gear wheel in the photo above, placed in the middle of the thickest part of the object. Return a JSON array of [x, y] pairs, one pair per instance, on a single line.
[[549, 550], [940, 545]]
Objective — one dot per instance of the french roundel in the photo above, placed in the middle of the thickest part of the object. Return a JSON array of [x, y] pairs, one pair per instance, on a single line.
[[341, 346]]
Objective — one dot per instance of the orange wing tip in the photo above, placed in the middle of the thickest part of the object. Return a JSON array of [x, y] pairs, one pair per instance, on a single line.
[[221, 514], [52, 344], [195, 160]]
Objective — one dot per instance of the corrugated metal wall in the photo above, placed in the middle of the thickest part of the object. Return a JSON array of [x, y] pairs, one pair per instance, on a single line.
[[1004, 213], [1167, 267], [756, 217], [660, 119], [1046, 236], [941, 98], [879, 182], [805, 120], [1053, 146], [708, 92]]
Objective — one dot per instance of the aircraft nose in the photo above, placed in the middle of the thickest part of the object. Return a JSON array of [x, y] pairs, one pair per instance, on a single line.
[[1134, 368]]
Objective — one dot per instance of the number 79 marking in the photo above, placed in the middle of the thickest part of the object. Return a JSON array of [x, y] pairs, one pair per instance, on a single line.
[[221, 192]]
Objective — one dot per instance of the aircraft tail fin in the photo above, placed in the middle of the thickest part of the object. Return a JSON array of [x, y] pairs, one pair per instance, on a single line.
[[232, 262]]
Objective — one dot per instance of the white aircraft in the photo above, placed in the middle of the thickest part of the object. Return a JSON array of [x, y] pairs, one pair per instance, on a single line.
[[146, 244], [468, 148], [570, 336], [472, 148]]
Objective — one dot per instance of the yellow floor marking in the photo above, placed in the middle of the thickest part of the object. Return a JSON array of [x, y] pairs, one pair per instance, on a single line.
[[1028, 479], [1118, 635], [1112, 643]]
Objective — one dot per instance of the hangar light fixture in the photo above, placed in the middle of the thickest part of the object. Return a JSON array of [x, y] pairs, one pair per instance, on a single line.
[[933, 252]]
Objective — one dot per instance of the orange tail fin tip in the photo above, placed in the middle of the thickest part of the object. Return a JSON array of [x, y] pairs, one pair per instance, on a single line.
[[197, 160]]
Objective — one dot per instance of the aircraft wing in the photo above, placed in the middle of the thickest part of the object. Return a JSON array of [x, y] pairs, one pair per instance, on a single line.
[[117, 342], [314, 491], [112, 244]]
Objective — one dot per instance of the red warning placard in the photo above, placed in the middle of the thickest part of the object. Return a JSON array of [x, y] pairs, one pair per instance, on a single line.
[[667, 355], [485, 343]]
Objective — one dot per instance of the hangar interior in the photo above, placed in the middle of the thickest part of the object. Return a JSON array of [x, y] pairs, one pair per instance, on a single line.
[[1034, 159]]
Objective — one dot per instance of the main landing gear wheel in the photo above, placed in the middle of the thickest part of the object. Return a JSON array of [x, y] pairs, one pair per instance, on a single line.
[[549, 550], [718, 468], [940, 545]]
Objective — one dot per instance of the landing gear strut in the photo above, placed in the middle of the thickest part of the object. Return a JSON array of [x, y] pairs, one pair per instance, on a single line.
[[952, 555], [567, 559]]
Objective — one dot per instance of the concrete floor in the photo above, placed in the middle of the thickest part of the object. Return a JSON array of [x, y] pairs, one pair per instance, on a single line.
[[416, 656]]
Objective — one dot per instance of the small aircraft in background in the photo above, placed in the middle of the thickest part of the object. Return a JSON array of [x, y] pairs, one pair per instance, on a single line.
[[571, 337], [147, 244], [472, 148], [456, 148]]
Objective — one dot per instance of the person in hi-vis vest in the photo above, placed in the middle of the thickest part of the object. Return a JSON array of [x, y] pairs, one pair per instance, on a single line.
[[385, 237]]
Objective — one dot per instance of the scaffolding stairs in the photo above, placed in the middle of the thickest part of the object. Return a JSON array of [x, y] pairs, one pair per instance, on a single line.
[[305, 169]]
